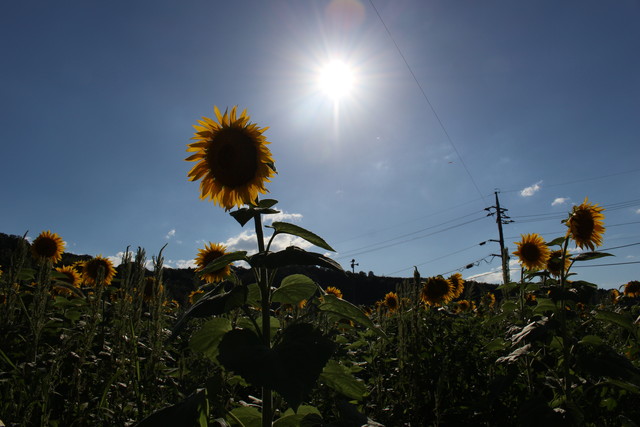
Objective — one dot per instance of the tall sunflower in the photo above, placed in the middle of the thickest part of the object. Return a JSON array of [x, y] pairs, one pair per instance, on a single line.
[[210, 253], [391, 301], [436, 291], [48, 246], [457, 284], [92, 269], [532, 251], [232, 157], [632, 289], [586, 225], [554, 263]]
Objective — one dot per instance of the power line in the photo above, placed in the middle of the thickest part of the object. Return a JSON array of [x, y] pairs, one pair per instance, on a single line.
[[434, 259], [606, 265], [581, 180], [409, 240], [424, 95], [413, 233]]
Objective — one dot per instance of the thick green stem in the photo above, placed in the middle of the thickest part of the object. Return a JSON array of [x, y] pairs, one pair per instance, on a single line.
[[265, 293]]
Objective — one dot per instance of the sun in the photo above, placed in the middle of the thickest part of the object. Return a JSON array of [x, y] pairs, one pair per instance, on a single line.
[[336, 80]]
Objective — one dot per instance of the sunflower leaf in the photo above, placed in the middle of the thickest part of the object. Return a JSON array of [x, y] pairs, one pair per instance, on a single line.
[[586, 256], [223, 261], [287, 228], [267, 203], [292, 256], [558, 241], [243, 215], [340, 378], [293, 289], [346, 310]]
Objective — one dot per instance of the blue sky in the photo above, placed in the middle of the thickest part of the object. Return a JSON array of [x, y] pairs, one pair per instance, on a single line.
[[540, 100]]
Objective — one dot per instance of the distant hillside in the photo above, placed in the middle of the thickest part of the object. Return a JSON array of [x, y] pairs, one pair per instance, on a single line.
[[358, 288]]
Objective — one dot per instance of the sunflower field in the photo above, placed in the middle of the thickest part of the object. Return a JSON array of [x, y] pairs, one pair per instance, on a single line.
[[84, 344]]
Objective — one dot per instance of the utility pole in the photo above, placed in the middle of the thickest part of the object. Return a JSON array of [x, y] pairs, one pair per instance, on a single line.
[[501, 218]]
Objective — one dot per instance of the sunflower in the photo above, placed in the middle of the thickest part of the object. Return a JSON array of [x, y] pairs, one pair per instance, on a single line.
[[436, 291], [463, 306], [554, 263], [489, 300], [632, 289], [334, 291], [586, 225], [71, 276], [92, 269], [48, 246], [391, 301], [532, 251], [232, 158], [194, 296], [457, 283], [210, 253], [614, 295]]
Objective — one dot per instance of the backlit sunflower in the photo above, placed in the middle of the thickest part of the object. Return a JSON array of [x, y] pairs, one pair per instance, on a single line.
[[194, 296], [463, 306], [614, 295], [632, 289], [210, 253], [457, 284], [532, 251], [48, 246], [554, 263], [436, 291], [391, 301], [71, 276], [233, 160], [334, 291], [586, 225], [92, 269], [488, 300]]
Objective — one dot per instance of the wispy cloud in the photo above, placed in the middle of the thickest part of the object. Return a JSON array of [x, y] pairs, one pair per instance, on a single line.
[[116, 260], [638, 211], [559, 201], [282, 216], [495, 274], [180, 263], [170, 234], [530, 191]]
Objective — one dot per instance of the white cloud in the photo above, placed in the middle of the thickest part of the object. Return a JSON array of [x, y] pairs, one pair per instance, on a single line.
[[495, 274], [116, 260], [170, 234], [246, 241], [180, 263], [559, 201], [282, 216], [638, 211], [530, 191]]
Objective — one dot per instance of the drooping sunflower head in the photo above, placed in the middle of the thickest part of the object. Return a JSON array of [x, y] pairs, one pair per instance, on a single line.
[[586, 225], [70, 275], [334, 291], [463, 306], [457, 284], [48, 246], [210, 253], [532, 251], [436, 291], [632, 289], [96, 268], [233, 160], [391, 301], [614, 295], [194, 296], [488, 300], [554, 263]]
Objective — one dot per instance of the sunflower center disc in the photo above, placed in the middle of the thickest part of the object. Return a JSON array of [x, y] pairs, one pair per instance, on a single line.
[[233, 158]]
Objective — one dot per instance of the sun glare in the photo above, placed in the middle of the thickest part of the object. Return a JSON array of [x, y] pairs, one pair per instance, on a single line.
[[336, 80]]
